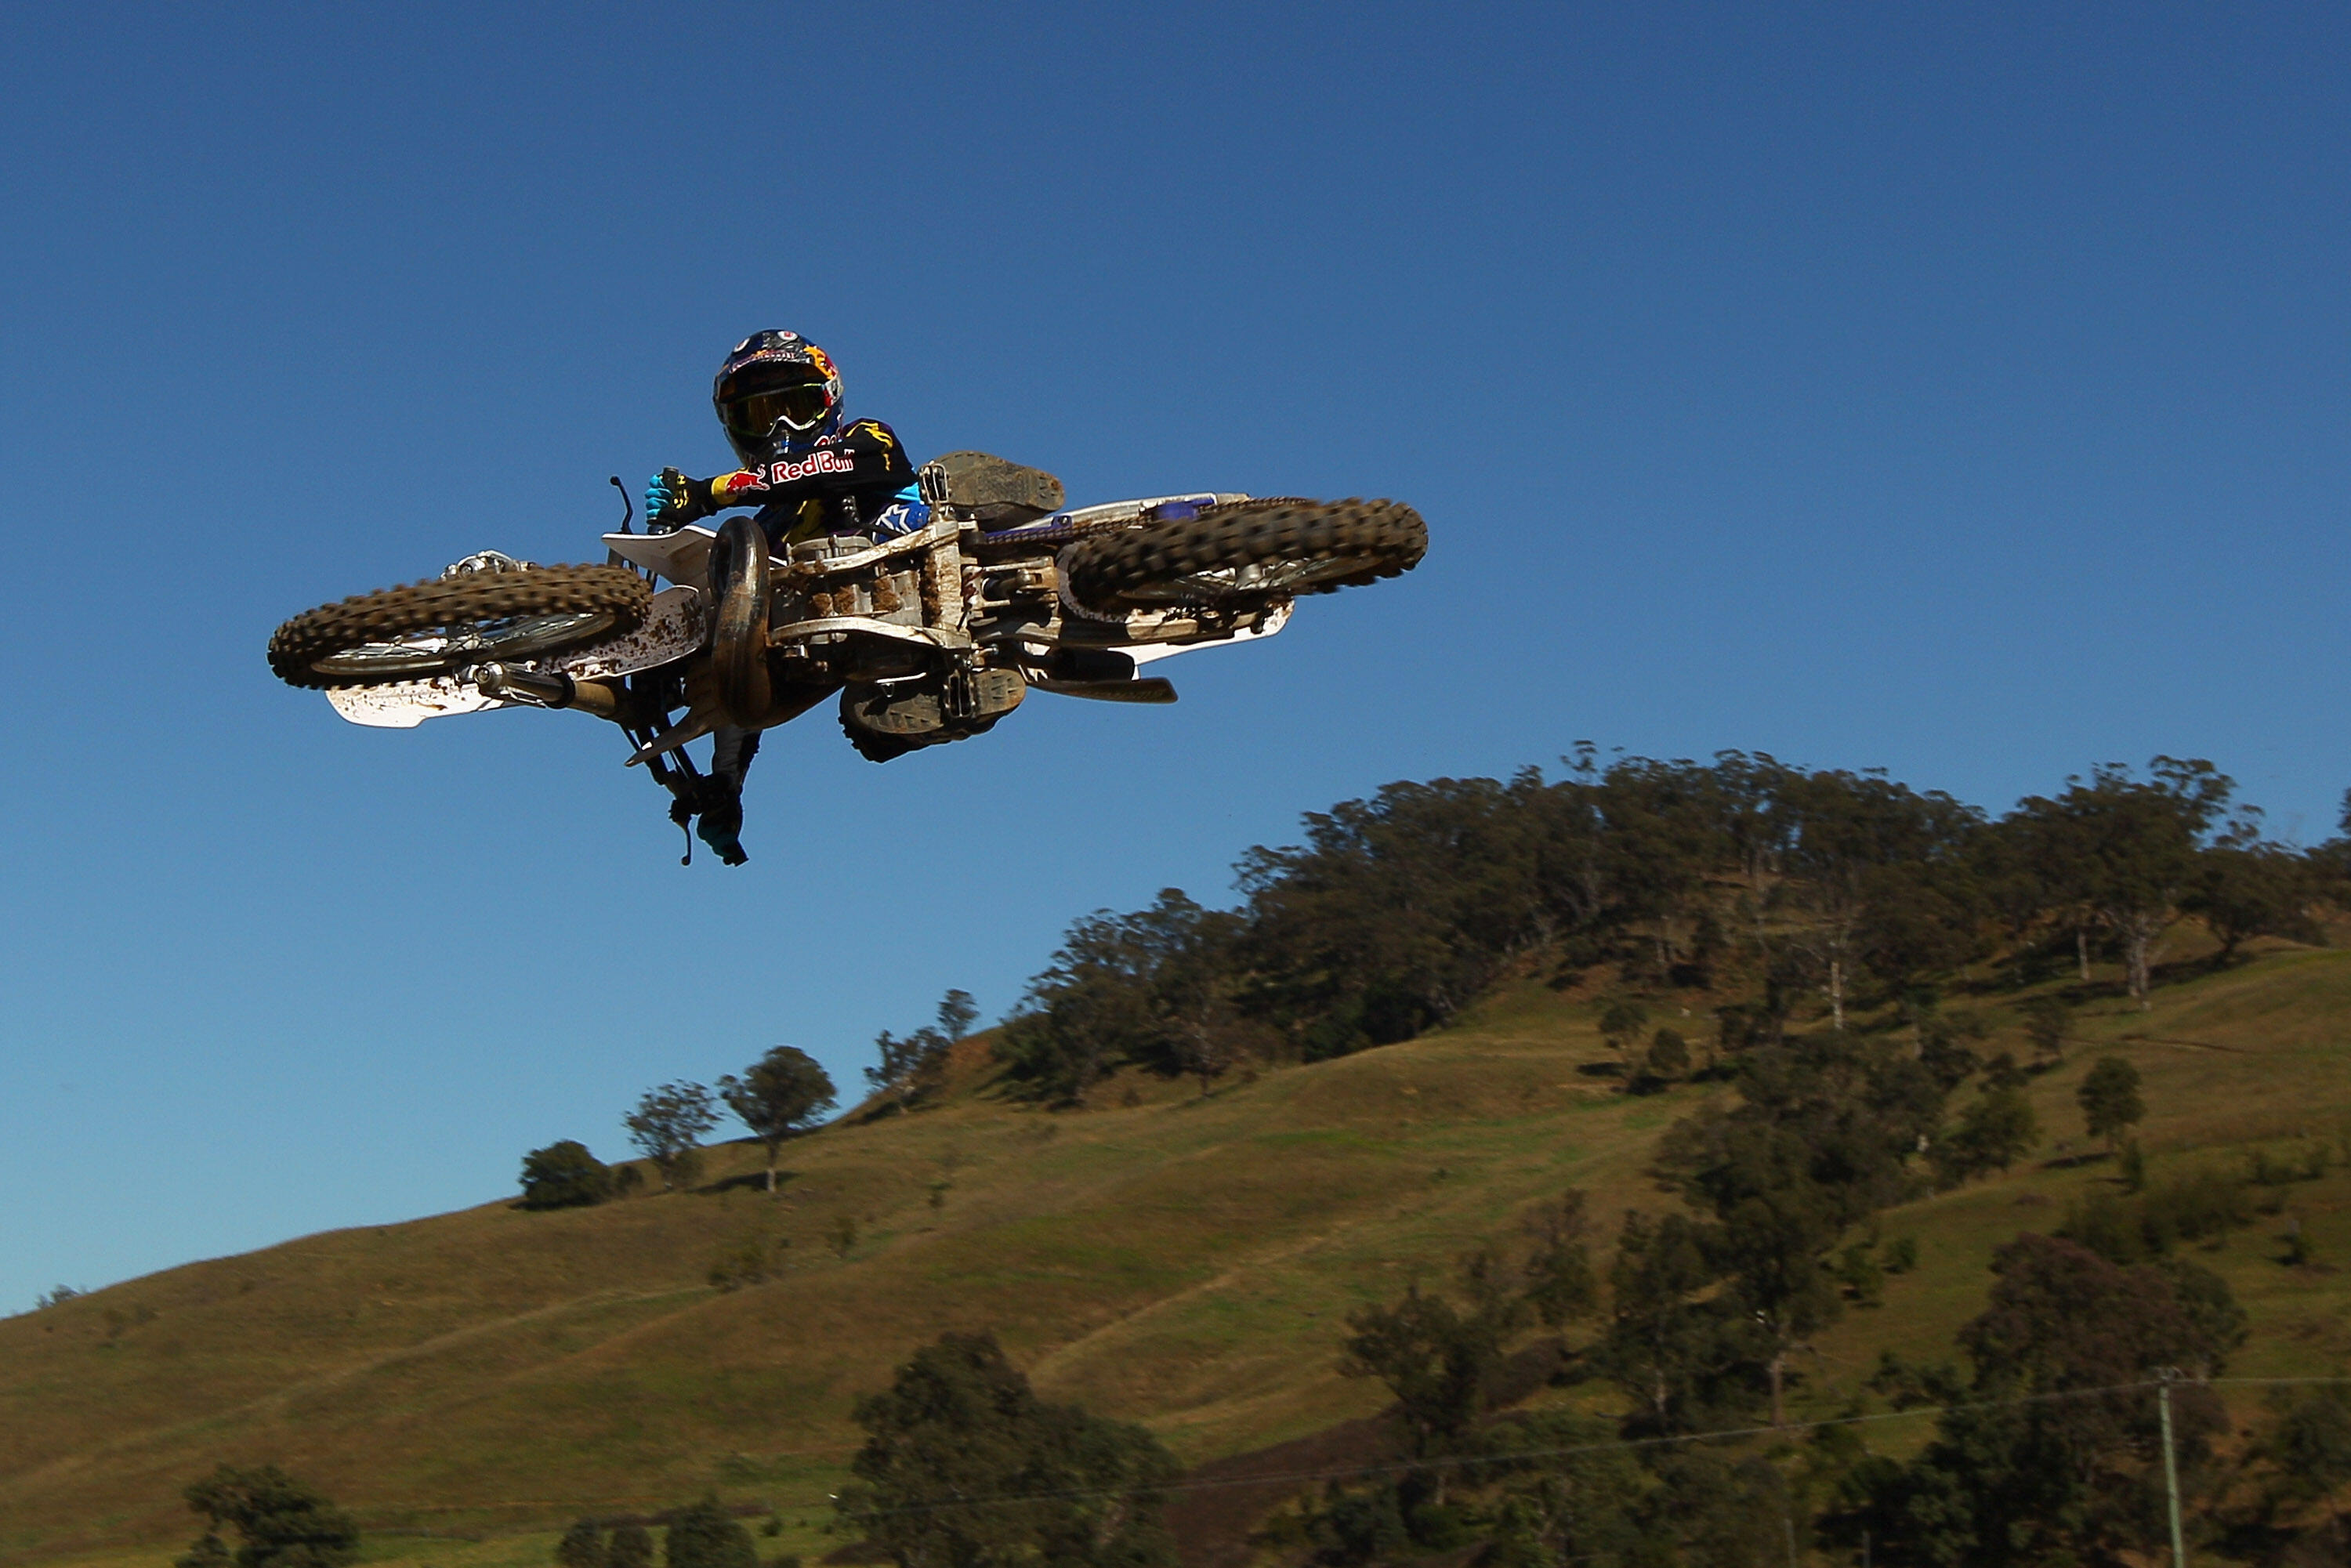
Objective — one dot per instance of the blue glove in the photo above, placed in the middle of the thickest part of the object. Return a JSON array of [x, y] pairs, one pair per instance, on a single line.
[[665, 492]]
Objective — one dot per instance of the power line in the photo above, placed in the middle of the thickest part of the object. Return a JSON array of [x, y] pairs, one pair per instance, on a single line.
[[1566, 1451], [1457, 1461]]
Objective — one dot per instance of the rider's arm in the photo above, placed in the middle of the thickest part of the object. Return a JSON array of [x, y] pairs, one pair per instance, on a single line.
[[673, 500], [866, 456]]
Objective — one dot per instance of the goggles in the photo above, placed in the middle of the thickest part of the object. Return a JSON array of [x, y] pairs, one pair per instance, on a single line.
[[753, 416]]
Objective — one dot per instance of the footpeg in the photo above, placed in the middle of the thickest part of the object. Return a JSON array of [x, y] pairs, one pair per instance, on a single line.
[[1149, 689]]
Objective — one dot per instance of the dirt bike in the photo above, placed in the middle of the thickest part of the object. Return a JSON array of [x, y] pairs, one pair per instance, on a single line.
[[928, 637]]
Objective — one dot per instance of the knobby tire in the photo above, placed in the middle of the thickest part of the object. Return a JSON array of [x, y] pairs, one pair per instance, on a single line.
[[1349, 542], [451, 603]]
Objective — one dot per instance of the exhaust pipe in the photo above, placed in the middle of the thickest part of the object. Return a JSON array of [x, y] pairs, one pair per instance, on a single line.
[[739, 637]]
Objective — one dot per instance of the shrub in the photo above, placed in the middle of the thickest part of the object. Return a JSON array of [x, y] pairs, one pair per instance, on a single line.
[[2107, 1226], [750, 1261], [283, 1522], [632, 1546], [1863, 1276], [707, 1536], [564, 1176], [2308, 1163], [583, 1546], [1669, 1056], [1358, 1527], [2190, 1207]]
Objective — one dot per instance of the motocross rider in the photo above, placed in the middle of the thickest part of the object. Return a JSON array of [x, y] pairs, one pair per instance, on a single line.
[[810, 473]]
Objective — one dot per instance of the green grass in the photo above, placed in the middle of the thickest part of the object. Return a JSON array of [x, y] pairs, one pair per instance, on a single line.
[[1187, 1262]]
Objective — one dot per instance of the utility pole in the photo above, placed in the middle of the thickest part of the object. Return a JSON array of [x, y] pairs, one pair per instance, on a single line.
[[2165, 1377]]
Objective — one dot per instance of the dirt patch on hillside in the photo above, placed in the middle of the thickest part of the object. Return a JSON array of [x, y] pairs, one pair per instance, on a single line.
[[1221, 1502], [1214, 1508]]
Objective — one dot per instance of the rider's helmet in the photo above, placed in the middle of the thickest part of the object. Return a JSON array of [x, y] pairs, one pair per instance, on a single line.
[[776, 393]]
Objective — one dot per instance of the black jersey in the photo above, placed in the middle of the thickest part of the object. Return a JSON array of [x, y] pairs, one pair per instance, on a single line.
[[838, 484]]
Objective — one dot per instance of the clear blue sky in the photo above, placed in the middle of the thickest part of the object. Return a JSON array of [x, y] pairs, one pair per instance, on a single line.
[[1959, 390]]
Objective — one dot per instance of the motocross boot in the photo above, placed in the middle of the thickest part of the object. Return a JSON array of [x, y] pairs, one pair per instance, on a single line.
[[721, 828], [721, 794], [1000, 494]]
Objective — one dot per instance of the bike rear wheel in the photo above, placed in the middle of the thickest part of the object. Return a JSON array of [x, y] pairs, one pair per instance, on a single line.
[[1245, 552], [444, 625]]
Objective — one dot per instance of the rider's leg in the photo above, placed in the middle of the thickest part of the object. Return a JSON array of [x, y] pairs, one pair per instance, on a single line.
[[722, 805], [907, 512]]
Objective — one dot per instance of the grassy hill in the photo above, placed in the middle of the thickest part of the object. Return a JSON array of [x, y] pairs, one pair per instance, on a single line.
[[1183, 1262]]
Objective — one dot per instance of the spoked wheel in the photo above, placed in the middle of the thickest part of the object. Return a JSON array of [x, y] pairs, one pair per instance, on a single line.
[[1245, 553], [445, 626]]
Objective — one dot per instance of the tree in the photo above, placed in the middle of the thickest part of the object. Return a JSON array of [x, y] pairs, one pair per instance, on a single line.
[[2015, 1480], [1621, 1019], [1398, 911], [957, 1013], [583, 1546], [2254, 890], [1819, 1140], [1158, 987], [2110, 1099], [564, 1176], [1437, 1360], [1663, 1346], [705, 1535], [1992, 1134], [901, 1064], [2307, 1454], [281, 1522], [964, 1466], [911, 1067], [1560, 1283], [2131, 848], [668, 1125], [1772, 1245], [1859, 874], [1669, 1057], [780, 1094], [2046, 1018]]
